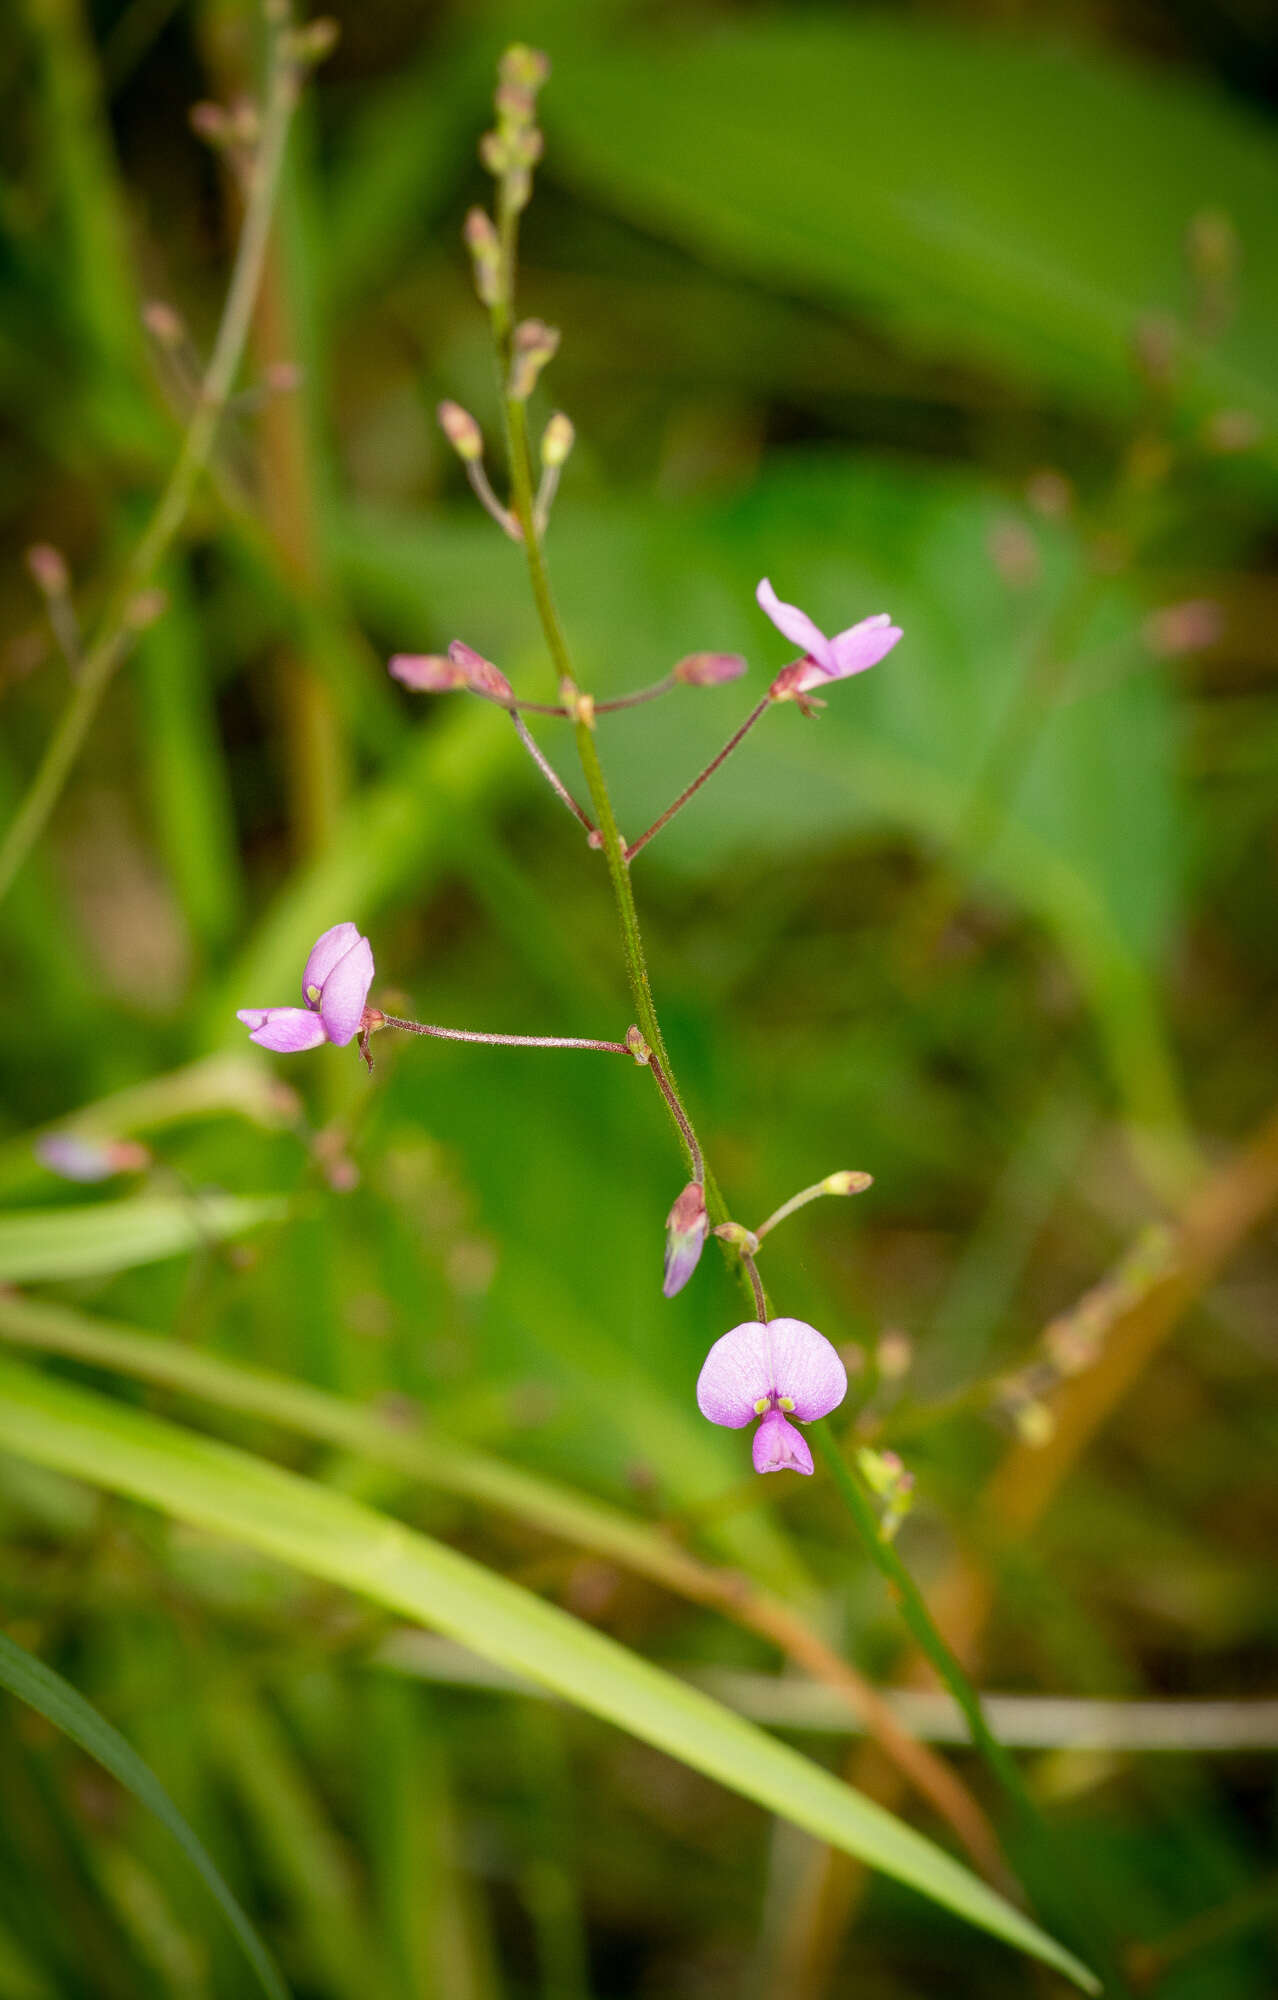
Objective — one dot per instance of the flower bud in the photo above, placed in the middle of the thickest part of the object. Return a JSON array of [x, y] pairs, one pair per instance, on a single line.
[[686, 1229], [638, 1047], [426, 673], [481, 676], [557, 440], [524, 67], [888, 1479], [702, 670], [739, 1236], [85, 1156], [534, 346], [481, 239], [314, 42], [496, 154], [850, 1180], [461, 430], [163, 324], [48, 567], [210, 123], [1177, 629]]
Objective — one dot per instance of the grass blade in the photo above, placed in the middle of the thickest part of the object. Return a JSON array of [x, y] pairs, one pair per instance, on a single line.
[[62, 1705], [327, 1535]]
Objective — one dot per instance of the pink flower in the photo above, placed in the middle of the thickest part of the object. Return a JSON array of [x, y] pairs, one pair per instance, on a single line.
[[774, 1370], [686, 1227], [849, 652], [335, 987]]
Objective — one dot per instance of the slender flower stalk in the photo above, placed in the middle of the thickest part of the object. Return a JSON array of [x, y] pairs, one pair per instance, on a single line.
[[550, 774], [847, 1182], [751, 1270], [689, 791], [680, 1117], [118, 626], [374, 1018]]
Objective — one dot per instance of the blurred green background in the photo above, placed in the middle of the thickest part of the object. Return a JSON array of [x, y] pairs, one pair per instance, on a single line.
[[965, 312]]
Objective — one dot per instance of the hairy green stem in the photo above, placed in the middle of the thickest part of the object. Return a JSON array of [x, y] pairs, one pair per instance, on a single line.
[[116, 629]]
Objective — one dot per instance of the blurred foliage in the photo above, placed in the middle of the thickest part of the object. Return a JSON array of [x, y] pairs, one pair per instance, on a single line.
[[967, 312]]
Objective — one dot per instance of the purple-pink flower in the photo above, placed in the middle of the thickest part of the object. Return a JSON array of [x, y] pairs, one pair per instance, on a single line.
[[849, 652], [686, 1227], [774, 1369], [335, 987]]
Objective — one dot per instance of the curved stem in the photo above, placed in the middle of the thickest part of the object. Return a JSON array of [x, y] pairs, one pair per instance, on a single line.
[[115, 631]]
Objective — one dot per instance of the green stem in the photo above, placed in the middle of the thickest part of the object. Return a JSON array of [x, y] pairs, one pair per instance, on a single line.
[[115, 631], [919, 1620]]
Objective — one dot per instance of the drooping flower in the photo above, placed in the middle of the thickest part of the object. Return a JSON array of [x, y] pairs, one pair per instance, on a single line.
[[774, 1369], [849, 652], [335, 987], [686, 1227]]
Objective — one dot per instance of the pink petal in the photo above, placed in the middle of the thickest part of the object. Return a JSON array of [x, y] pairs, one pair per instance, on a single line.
[[797, 626], [736, 1373], [778, 1447], [344, 992], [284, 1029], [863, 645], [325, 953], [425, 673], [806, 1368]]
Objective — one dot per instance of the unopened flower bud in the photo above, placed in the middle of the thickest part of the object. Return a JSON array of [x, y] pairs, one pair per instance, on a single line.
[[481, 239], [889, 1480], [426, 673], [210, 122], [702, 670], [515, 103], [85, 1156], [1177, 629], [314, 42], [164, 325], [637, 1046], [534, 345], [527, 68], [495, 153], [461, 430], [481, 676], [48, 567], [557, 440], [686, 1229], [849, 1180], [739, 1236]]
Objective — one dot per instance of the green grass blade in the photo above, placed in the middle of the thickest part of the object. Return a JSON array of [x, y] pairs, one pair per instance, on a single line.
[[87, 1239], [67, 1710], [327, 1535]]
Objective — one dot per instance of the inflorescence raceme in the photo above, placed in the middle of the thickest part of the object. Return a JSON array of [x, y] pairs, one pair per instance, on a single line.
[[770, 1368]]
